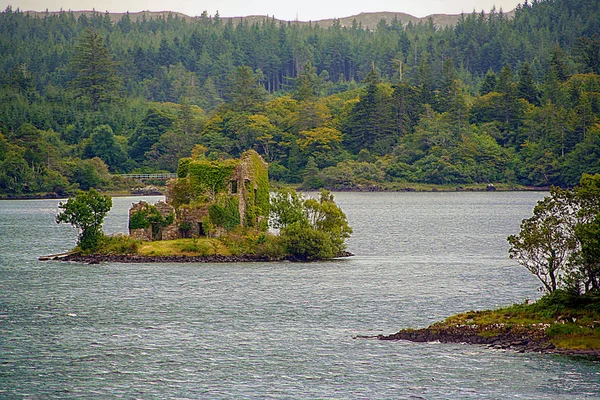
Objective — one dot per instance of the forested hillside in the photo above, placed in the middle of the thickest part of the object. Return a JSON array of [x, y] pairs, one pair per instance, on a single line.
[[490, 99]]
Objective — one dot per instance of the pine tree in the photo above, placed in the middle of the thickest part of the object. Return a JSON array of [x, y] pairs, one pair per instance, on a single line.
[[245, 94], [510, 111], [444, 95], [307, 84], [370, 126], [95, 78], [526, 88], [489, 83], [558, 64]]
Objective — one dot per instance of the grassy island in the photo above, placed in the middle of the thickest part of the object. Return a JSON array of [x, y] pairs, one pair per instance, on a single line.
[[231, 248], [308, 229], [220, 210]]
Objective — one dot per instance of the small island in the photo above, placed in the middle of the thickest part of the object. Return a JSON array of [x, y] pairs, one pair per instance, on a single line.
[[560, 245], [215, 211]]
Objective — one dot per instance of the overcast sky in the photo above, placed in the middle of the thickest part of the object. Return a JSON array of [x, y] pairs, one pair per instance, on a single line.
[[303, 10]]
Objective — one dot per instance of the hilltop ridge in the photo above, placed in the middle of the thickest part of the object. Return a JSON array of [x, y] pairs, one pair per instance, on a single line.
[[366, 19]]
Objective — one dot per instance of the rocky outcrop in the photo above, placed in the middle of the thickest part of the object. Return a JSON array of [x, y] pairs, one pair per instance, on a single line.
[[522, 339]]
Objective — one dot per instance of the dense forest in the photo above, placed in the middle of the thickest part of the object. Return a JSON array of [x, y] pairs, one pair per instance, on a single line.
[[491, 99]]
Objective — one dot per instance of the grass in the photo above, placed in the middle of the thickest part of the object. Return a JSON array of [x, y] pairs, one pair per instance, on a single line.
[[187, 247], [229, 245], [569, 322], [244, 243]]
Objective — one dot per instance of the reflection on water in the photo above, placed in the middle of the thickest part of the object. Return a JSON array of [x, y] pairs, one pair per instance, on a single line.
[[276, 329]]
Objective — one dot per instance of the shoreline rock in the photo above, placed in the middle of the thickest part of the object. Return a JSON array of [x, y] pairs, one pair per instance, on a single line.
[[136, 258], [525, 340]]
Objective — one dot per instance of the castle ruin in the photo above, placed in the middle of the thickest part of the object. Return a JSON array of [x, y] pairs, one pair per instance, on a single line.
[[207, 198]]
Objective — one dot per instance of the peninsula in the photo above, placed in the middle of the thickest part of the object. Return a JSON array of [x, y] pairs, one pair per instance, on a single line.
[[558, 323], [560, 245]]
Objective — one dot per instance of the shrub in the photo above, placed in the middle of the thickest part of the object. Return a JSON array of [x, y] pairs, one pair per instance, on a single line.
[[118, 244], [271, 248], [306, 243]]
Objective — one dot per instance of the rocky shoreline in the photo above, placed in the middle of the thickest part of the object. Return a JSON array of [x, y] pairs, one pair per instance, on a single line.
[[530, 339], [136, 258]]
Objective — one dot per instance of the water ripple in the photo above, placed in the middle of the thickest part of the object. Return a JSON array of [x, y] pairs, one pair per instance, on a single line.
[[277, 330]]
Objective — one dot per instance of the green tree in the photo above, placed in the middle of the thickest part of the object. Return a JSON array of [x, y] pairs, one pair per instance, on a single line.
[[370, 124], [526, 88], [326, 216], [245, 94], [95, 79], [287, 208], [489, 83], [103, 144], [560, 243], [308, 84], [310, 229], [585, 263], [587, 260], [306, 243], [86, 212], [546, 241], [558, 64], [587, 53], [148, 132]]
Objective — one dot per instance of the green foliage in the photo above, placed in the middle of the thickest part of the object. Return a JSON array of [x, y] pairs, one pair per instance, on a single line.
[[310, 229], [210, 177], [183, 167], [413, 96], [138, 220], [287, 208], [117, 244], [148, 132], [226, 213], [86, 212], [95, 79], [245, 94], [257, 201], [559, 243], [307, 243], [181, 192], [149, 216], [103, 144], [546, 240]]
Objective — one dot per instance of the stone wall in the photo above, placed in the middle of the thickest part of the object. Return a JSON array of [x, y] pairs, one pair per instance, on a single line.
[[192, 218], [168, 232], [144, 234]]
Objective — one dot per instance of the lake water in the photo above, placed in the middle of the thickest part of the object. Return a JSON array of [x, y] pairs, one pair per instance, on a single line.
[[277, 330]]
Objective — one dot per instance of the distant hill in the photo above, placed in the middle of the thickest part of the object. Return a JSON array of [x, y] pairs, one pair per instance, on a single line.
[[370, 20], [367, 20]]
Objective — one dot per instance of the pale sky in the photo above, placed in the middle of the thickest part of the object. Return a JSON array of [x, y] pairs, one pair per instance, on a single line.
[[304, 10]]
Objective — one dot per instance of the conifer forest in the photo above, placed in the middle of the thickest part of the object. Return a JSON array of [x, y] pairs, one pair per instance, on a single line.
[[502, 98]]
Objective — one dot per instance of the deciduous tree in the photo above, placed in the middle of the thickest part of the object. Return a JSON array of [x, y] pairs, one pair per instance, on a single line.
[[546, 240], [86, 212]]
